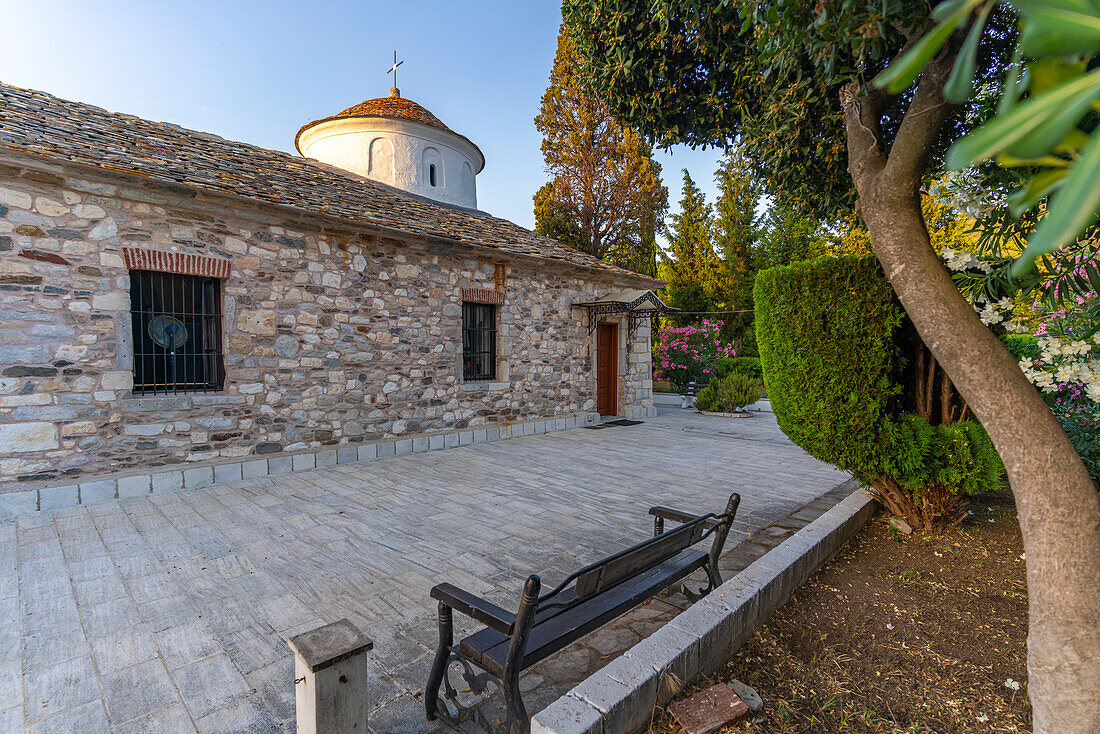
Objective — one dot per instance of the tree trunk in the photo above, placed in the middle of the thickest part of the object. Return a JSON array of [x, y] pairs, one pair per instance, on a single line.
[[1057, 504], [1058, 509]]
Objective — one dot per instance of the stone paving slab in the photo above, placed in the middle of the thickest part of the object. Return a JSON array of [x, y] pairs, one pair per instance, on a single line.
[[170, 612]]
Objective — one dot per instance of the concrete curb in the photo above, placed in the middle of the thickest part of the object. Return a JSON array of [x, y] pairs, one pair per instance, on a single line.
[[621, 696]]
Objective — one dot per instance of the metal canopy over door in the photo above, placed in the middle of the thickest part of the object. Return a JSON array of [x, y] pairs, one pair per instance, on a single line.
[[607, 368]]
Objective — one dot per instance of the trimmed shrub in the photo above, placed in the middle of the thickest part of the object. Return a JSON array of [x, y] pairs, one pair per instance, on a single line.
[[749, 366], [852, 384], [730, 393]]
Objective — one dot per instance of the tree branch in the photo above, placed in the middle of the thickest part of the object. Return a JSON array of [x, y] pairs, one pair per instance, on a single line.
[[861, 121], [922, 122]]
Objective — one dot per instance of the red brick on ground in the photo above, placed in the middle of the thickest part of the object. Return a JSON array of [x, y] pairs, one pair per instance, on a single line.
[[708, 710]]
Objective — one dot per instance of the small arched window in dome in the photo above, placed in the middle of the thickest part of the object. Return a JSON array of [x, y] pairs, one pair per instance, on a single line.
[[433, 172]]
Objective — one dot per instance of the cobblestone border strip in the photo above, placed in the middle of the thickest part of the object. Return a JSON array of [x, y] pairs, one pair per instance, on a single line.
[[621, 696], [192, 476]]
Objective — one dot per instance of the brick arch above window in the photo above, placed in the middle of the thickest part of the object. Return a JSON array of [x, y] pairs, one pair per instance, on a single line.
[[482, 295], [184, 263]]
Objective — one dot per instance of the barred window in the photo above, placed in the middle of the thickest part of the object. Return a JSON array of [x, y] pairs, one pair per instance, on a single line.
[[177, 332], [479, 341]]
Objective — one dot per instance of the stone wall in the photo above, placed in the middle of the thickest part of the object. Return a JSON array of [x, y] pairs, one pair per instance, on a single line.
[[332, 336]]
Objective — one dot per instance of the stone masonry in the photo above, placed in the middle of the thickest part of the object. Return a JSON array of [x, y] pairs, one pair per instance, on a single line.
[[333, 336]]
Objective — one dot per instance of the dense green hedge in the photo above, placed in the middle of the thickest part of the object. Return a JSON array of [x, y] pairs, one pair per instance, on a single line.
[[837, 354]]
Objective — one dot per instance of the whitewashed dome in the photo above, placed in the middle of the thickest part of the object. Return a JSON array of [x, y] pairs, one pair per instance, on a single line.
[[397, 142]]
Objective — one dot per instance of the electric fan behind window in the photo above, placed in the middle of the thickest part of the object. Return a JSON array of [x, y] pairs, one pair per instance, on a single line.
[[170, 333]]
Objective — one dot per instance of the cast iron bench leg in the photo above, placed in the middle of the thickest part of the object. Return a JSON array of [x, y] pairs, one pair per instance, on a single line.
[[439, 667], [719, 542]]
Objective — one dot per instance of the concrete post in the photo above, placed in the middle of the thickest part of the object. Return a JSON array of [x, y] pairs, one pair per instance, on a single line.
[[330, 670]]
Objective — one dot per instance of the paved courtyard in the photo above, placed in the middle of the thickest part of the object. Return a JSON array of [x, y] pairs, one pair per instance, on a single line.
[[169, 613]]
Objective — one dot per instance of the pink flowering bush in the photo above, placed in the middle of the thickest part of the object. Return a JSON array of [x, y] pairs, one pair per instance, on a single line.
[[689, 353]]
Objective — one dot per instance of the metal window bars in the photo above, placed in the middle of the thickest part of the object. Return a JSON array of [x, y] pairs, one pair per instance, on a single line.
[[177, 333], [479, 342]]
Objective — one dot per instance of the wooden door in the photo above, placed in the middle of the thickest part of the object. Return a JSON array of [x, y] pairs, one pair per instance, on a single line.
[[607, 368]]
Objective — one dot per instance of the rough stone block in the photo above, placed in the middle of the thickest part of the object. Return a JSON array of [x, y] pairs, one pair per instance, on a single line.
[[403, 447], [228, 472], [135, 486], [492, 433], [57, 498], [167, 481], [326, 458], [25, 437], [480, 435], [279, 465], [385, 449], [465, 438], [435, 442], [419, 444], [367, 452], [98, 491], [748, 694], [199, 476], [450, 440], [254, 469], [25, 355], [346, 455]]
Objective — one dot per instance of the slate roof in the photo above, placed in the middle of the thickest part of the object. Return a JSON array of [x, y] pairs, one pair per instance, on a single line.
[[40, 124]]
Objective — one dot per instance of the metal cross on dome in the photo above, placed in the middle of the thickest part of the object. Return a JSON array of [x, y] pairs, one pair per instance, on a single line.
[[393, 69]]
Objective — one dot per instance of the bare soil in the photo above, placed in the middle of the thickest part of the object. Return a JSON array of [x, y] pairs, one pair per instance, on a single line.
[[921, 633]]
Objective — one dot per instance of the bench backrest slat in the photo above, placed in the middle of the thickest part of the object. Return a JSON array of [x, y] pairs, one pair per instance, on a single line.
[[640, 558]]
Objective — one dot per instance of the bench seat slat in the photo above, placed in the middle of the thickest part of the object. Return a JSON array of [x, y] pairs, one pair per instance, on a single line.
[[562, 627]]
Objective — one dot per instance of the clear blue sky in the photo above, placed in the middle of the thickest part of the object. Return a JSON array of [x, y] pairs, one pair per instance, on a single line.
[[257, 71]]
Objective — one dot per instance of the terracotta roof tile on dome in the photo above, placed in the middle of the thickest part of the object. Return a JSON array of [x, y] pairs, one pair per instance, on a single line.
[[39, 124], [397, 108]]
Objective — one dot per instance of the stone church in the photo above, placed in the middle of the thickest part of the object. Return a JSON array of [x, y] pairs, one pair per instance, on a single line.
[[181, 310]]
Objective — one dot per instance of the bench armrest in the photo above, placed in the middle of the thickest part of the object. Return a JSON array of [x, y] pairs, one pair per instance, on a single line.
[[475, 607], [667, 513]]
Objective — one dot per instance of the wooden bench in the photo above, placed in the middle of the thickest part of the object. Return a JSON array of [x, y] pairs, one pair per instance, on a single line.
[[546, 623], [692, 389]]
